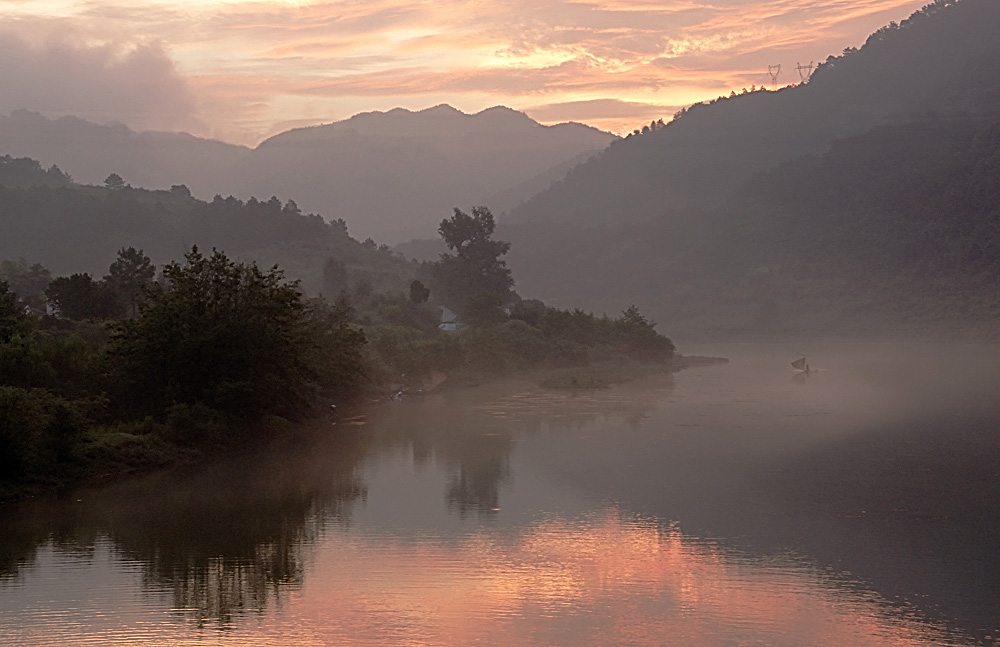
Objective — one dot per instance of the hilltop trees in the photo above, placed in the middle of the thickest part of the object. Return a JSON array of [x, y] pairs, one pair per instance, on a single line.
[[114, 182], [24, 171], [79, 296]]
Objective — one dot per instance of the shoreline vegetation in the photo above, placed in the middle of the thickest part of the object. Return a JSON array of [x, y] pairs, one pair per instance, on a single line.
[[148, 368]]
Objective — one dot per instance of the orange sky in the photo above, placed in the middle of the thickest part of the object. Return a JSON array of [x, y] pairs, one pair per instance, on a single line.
[[240, 71]]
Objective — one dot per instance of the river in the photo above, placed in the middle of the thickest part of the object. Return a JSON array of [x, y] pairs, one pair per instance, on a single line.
[[737, 504]]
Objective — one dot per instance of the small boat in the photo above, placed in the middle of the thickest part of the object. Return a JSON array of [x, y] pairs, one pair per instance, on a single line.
[[802, 366]]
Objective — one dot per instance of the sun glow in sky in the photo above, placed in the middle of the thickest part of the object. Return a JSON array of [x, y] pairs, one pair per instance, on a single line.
[[240, 71]]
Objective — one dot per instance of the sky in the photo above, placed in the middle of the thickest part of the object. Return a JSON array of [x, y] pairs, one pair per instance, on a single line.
[[241, 71]]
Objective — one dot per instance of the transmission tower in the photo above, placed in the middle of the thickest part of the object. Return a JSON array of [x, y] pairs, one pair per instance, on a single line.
[[805, 71], [773, 71]]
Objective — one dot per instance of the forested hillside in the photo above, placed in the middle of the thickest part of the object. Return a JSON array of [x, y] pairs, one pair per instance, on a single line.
[[74, 228], [896, 229], [390, 175], [864, 200], [944, 60]]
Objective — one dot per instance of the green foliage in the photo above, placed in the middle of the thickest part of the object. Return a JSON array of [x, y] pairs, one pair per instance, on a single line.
[[38, 431], [335, 351], [27, 282], [12, 319], [79, 296], [394, 308], [397, 352], [419, 292], [67, 365], [234, 339], [573, 333], [129, 446], [126, 277], [474, 279], [114, 182], [96, 222], [637, 338], [510, 346]]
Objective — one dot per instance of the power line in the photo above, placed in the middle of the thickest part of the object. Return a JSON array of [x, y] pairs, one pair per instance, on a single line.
[[805, 71], [773, 71]]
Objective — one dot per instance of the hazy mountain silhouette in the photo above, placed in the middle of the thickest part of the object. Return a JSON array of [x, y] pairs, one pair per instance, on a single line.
[[396, 175], [391, 175], [865, 199], [944, 59], [893, 229], [90, 152]]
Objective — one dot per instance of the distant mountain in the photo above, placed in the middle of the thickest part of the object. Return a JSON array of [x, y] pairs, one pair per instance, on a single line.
[[944, 59], [865, 200], [396, 175], [391, 175], [90, 152], [893, 230]]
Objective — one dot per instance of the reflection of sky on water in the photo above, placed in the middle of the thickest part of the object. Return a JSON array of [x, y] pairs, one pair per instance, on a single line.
[[598, 579], [489, 516]]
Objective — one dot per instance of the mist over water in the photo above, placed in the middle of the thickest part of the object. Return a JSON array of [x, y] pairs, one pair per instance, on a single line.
[[731, 504]]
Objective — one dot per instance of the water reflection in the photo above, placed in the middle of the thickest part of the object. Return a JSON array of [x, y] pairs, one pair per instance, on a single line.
[[475, 517], [472, 433], [222, 541], [603, 579]]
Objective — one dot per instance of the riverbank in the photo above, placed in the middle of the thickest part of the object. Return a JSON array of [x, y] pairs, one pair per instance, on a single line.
[[112, 453]]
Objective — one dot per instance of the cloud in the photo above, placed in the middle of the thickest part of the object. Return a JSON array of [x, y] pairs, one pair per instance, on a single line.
[[594, 109], [137, 85], [245, 66], [612, 115]]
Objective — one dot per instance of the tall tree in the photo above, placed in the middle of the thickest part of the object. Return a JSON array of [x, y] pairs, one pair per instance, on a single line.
[[419, 292], [474, 278], [115, 182], [11, 316], [126, 276]]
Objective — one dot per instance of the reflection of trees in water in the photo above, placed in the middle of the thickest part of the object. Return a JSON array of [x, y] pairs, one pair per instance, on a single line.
[[229, 538], [449, 431], [481, 464], [473, 431], [222, 540]]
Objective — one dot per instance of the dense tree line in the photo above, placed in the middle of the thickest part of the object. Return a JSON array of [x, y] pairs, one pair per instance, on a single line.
[[497, 331], [94, 222], [24, 171], [895, 229], [215, 352], [134, 367]]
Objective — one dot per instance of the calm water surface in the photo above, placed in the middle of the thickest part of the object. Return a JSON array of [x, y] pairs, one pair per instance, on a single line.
[[724, 505]]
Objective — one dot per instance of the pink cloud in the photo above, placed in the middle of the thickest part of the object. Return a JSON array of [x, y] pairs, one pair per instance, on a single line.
[[138, 86], [244, 66]]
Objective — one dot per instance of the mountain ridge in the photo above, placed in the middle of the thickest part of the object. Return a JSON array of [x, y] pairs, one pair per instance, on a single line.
[[391, 175], [945, 58]]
